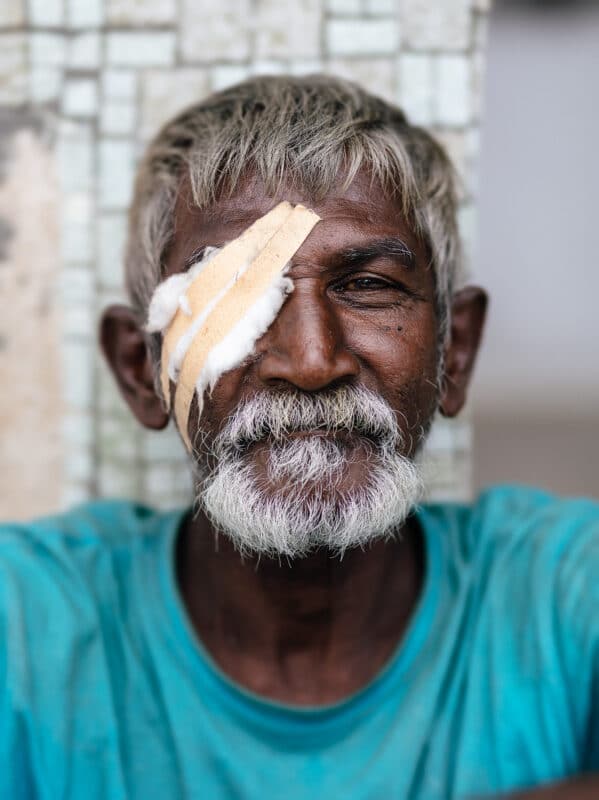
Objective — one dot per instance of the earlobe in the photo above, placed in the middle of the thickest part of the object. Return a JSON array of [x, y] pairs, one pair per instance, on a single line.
[[125, 347], [468, 312]]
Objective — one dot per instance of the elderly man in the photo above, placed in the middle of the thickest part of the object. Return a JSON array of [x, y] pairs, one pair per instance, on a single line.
[[311, 629]]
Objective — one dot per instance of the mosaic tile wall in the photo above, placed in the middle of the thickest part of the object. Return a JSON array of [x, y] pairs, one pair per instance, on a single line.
[[100, 76]]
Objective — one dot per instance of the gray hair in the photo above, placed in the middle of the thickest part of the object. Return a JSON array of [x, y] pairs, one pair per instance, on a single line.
[[300, 131]]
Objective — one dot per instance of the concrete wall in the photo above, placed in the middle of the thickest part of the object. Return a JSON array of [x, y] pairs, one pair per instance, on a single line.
[[101, 76]]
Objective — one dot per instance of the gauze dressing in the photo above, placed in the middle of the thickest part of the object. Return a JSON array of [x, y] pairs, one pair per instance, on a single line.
[[212, 316]]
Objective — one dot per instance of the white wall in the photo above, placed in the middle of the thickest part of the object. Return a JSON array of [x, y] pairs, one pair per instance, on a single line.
[[536, 393], [538, 249]]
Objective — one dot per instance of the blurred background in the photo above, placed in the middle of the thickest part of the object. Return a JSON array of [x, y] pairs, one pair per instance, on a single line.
[[511, 93], [536, 395]]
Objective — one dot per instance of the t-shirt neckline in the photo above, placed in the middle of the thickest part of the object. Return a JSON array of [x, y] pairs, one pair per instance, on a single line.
[[242, 701]]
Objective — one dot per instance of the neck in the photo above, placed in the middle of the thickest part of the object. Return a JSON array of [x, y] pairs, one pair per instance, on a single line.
[[307, 632]]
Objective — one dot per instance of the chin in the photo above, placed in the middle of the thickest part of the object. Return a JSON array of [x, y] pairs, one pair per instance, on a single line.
[[307, 493]]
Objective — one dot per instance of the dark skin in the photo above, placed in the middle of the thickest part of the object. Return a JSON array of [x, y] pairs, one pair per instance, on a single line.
[[316, 630]]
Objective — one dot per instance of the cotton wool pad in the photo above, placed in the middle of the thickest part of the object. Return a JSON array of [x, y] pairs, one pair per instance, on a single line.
[[212, 316]]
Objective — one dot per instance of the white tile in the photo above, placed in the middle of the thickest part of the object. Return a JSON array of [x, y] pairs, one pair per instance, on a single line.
[[12, 13], [224, 75], [47, 49], [164, 93], [80, 97], [472, 175], [79, 465], [221, 29], [178, 499], [85, 13], [76, 244], [306, 66], [454, 90], [75, 494], [78, 429], [135, 49], [467, 221], [116, 440], [158, 480], [83, 51], [78, 382], [416, 87], [112, 230], [381, 7], [108, 398], [182, 475], [346, 37], [462, 434], [79, 321], [440, 438], [116, 173], [45, 84], [162, 445], [344, 7], [77, 284], [45, 13], [141, 12], [118, 117], [77, 208], [479, 65], [76, 240], [108, 296], [13, 68], [428, 25], [287, 30], [268, 67], [118, 480], [119, 84], [75, 159], [377, 75]]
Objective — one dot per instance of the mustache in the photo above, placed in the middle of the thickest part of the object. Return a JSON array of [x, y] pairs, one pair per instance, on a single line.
[[276, 416]]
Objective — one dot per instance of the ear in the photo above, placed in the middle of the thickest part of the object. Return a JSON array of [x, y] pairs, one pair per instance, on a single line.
[[125, 346], [468, 312]]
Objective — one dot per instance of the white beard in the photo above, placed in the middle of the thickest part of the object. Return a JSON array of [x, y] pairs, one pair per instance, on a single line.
[[311, 510]]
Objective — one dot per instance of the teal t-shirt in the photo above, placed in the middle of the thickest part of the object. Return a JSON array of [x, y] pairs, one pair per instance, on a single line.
[[107, 693]]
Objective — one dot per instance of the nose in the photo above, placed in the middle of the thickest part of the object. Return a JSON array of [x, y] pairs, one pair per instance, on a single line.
[[305, 346]]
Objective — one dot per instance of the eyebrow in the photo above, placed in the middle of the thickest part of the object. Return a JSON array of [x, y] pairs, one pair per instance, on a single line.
[[389, 247]]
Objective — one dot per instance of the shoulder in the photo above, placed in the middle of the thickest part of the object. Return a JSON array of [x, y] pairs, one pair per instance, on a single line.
[[71, 589], [530, 562], [57, 572], [71, 543], [515, 523]]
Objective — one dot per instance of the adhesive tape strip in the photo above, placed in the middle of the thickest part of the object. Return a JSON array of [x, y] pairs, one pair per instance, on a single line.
[[215, 277], [248, 289]]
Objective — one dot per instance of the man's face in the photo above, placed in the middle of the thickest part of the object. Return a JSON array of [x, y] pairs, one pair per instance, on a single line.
[[362, 311], [359, 332]]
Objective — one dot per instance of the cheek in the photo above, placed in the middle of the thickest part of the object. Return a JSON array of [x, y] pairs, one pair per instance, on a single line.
[[399, 346], [400, 361]]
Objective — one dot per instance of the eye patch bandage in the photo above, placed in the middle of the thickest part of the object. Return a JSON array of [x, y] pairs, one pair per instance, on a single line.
[[212, 316]]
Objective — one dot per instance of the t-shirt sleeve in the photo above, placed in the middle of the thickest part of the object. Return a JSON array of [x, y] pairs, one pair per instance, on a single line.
[[17, 582], [577, 622]]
